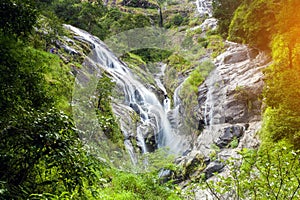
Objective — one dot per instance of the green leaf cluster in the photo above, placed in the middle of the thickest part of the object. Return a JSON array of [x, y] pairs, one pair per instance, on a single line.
[[96, 18], [224, 10], [17, 16], [253, 23], [270, 173], [107, 120]]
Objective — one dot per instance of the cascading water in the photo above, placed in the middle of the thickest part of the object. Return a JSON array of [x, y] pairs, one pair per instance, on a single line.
[[212, 112], [138, 98], [158, 77], [204, 7]]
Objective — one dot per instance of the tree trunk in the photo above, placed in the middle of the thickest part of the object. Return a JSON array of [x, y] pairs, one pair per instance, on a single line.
[[161, 24]]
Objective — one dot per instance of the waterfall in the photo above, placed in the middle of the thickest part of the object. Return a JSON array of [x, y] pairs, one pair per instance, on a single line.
[[212, 111], [152, 112], [204, 7], [159, 76]]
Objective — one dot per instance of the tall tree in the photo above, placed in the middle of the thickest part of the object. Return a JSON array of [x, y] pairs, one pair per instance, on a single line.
[[160, 4], [223, 10], [17, 16]]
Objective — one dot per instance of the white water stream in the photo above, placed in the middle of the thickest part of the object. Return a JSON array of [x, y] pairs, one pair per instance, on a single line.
[[204, 7]]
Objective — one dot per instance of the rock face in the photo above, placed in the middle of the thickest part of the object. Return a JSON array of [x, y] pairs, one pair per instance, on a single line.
[[228, 135], [230, 107], [230, 98], [212, 167]]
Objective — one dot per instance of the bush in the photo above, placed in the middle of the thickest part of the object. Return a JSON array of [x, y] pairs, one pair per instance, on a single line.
[[224, 10], [253, 23], [270, 173]]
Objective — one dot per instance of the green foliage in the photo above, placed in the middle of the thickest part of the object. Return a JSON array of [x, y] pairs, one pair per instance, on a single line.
[[46, 32], [157, 160], [189, 90], [281, 120], [140, 63], [215, 45], [22, 78], [253, 23], [17, 16], [152, 55], [40, 153], [178, 62], [256, 22], [137, 186], [175, 21], [105, 115], [140, 3], [197, 76], [203, 42], [281, 124], [270, 173], [214, 152], [194, 81], [234, 143], [188, 42], [84, 15], [96, 18], [224, 10]]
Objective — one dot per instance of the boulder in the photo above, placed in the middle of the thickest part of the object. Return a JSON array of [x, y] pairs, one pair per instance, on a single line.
[[229, 134], [213, 167]]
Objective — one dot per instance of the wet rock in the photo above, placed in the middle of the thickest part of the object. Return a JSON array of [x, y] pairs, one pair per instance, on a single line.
[[138, 96], [236, 57], [151, 143], [213, 167], [191, 165], [82, 40], [209, 24], [229, 134], [135, 107], [201, 125], [165, 175], [185, 153], [230, 105]]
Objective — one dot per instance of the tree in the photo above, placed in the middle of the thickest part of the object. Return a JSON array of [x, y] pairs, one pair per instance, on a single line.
[[282, 93], [105, 115], [253, 23], [160, 4], [40, 152], [22, 81], [224, 10], [17, 16]]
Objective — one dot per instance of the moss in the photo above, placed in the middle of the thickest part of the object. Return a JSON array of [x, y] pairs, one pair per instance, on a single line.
[[216, 45], [193, 168], [178, 62], [139, 68], [189, 93], [234, 143]]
